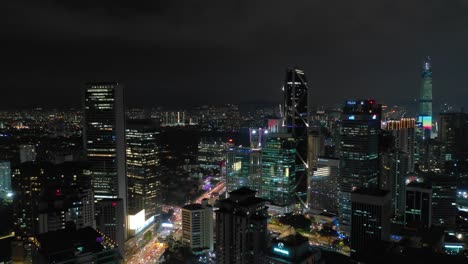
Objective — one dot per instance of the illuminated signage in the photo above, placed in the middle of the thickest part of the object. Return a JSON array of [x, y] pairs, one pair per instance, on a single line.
[[282, 251], [426, 122], [351, 117]]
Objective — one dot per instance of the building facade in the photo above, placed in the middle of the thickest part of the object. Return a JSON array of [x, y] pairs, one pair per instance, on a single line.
[[241, 228], [197, 226], [370, 219], [359, 140], [104, 143]]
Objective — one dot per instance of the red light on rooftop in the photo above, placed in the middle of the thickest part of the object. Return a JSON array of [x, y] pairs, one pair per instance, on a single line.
[[114, 204], [231, 140], [58, 192]]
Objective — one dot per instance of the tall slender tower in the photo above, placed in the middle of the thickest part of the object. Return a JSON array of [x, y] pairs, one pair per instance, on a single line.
[[425, 98], [295, 114], [104, 142]]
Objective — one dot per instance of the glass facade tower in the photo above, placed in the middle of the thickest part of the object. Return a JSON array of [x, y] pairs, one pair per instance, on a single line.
[[104, 143], [144, 185], [279, 169], [359, 164], [425, 99]]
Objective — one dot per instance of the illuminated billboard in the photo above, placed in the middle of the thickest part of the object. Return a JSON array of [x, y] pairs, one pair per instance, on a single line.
[[426, 122]]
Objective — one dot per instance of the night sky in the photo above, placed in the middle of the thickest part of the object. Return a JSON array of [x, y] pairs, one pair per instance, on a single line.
[[180, 53]]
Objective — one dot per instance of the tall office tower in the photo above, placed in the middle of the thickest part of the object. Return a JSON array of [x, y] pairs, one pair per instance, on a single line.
[[404, 132], [418, 205], [5, 175], [110, 219], [144, 181], [392, 172], [323, 185], [243, 168], [28, 180], [279, 171], [241, 228], [27, 153], [197, 226], [444, 200], [425, 98], [359, 164], [295, 121], [453, 134], [370, 219], [104, 142]]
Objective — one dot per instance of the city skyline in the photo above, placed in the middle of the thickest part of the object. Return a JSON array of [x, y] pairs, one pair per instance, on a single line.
[[161, 49]]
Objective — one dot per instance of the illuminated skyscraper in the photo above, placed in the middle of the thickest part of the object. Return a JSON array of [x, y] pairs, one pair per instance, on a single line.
[[104, 142], [279, 171], [323, 185], [359, 165], [144, 185], [295, 121], [425, 98], [243, 168]]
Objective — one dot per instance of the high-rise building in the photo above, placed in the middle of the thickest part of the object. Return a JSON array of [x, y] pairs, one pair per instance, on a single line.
[[359, 164], [144, 181], [418, 211], [211, 153], [295, 122], [370, 219], [27, 153], [110, 220], [243, 168], [104, 143], [5, 175], [323, 186], [453, 134], [197, 226], [241, 228], [279, 171], [404, 133], [425, 98], [28, 180], [48, 195], [444, 200]]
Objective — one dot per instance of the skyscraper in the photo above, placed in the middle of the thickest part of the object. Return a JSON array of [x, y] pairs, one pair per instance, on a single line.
[[104, 143], [295, 122], [418, 212], [323, 185], [279, 171], [425, 98], [144, 183], [370, 219], [241, 228], [243, 168], [359, 165]]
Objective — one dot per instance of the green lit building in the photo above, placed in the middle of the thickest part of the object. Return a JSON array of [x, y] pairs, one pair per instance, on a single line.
[[279, 170], [243, 168]]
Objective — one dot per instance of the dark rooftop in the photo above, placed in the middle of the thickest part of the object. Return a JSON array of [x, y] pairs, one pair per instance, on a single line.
[[193, 206], [424, 185], [371, 191], [70, 240]]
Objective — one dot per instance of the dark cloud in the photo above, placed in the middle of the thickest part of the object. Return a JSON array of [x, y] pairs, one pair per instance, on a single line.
[[190, 52]]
